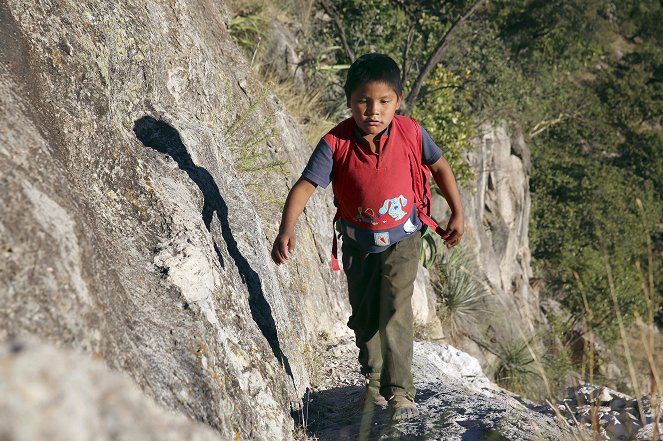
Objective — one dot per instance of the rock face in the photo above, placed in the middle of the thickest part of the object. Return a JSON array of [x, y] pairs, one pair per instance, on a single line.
[[57, 395], [498, 216], [138, 205], [497, 213], [282, 55]]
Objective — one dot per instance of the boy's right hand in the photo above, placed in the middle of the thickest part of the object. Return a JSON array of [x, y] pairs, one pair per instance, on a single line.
[[284, 245]]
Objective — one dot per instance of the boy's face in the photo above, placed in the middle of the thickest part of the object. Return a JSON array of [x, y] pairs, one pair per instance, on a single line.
[[373, 106]]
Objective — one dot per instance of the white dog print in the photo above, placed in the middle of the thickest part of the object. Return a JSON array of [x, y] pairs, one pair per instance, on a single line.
[[394, 207]]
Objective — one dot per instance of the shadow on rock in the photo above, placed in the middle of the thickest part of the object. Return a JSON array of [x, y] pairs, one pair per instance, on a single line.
[[338, 414], [164, 138], [478, 431]]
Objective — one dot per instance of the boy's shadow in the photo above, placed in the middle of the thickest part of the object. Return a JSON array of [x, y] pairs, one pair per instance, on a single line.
[[166, 139], [337, 414]]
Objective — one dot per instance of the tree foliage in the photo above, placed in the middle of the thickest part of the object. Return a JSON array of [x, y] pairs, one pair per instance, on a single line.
[[409, 32], [583, 79]]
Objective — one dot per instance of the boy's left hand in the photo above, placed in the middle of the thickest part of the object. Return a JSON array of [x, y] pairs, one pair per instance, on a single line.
[[455, 230]]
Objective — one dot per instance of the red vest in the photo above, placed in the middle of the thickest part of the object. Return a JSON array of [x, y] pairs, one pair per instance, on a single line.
[[379, 192]]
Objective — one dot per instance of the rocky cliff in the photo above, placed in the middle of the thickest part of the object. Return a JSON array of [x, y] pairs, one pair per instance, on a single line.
[[497, 205], [136, 167], [497, 210]]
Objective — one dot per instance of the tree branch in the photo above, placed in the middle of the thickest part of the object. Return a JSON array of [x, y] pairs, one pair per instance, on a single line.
[[406, 55], [435, 58], [339, 24], [544, 125], [362, 39]]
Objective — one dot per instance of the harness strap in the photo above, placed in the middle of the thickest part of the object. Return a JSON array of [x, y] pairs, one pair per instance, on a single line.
[[430, 223], [421, 190], [335, 264]]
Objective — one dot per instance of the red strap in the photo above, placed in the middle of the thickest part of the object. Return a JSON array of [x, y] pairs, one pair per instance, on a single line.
[[432, 224], [335, 265]]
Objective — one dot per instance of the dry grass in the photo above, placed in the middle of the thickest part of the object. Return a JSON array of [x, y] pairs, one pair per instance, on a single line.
[[305, 106], [251, 30]]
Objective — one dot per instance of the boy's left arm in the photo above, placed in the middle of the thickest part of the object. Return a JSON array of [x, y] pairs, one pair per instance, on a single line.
[[445, 180]]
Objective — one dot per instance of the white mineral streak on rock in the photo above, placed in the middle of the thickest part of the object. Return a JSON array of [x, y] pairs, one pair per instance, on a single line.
[[184, 255], [57, 223], [188, 267], [436, 361], [177, 83]]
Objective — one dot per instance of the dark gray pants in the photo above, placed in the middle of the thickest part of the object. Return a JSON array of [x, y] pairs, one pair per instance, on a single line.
[[380, 286]]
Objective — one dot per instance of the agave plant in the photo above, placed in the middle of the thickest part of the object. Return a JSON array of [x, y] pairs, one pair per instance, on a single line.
[[460, 289], [515, 368]]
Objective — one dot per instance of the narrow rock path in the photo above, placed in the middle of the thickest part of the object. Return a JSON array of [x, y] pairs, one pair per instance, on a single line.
[[455, 400]]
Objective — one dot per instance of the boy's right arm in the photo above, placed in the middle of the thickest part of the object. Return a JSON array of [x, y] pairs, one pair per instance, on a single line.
[[284, 244]]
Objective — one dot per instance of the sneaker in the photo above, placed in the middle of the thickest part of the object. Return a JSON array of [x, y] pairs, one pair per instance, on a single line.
[[402, 407], [372, 392]]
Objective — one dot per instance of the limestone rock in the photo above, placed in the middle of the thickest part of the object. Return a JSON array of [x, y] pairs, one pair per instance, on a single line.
[[282, 55], [497, 208], [455, 401], [498, 215], [433, 359], [53, 394], [424, 307], [139, 206]]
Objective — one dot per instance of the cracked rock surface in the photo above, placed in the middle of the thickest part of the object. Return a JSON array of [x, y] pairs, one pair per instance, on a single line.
[[138, 208], [53, 394]]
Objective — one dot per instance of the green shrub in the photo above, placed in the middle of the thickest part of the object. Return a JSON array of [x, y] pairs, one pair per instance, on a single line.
[[460, 290], [515, 368]]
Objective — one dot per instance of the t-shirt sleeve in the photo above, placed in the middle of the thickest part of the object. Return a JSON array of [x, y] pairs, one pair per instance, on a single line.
[[319, 167], [430, 151]]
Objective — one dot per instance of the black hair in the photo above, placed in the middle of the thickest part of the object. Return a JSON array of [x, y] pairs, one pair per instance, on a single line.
[[373, 67]]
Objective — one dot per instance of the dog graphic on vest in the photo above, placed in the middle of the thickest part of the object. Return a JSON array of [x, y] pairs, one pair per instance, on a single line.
[[394, 207]]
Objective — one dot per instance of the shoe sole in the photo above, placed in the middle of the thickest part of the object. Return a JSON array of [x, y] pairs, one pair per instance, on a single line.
[[404, 413]]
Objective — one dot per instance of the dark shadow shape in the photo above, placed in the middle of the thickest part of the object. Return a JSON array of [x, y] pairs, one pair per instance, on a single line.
[[339, 415], [336, 415], [477, 430], [543, 409], [164, 138]]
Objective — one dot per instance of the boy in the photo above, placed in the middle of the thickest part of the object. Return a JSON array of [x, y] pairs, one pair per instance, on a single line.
[[373, 161]]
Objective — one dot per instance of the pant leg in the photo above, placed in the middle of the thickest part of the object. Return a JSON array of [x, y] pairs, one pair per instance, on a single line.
[[362, 271], [396, 323]]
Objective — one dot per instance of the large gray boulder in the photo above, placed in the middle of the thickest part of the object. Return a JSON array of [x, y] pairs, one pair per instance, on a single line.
[[54, 394], [139, 204]]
